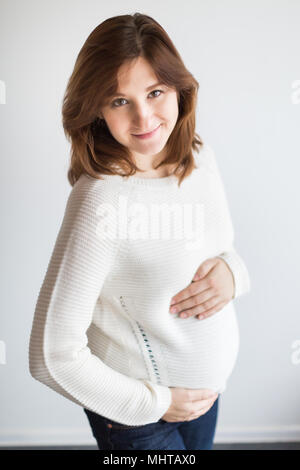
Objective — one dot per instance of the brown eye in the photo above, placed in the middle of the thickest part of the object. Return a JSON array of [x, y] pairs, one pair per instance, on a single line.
[[160, 91], [116, 101], [114, 105]]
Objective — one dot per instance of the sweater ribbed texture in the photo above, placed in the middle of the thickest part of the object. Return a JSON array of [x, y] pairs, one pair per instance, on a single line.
[[102, 334]]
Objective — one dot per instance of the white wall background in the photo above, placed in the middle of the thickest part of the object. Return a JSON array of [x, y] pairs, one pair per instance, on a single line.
[[245, 55]]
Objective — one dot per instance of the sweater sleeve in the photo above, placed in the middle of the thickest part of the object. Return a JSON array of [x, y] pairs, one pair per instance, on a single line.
[[58, 353], [234, 261]]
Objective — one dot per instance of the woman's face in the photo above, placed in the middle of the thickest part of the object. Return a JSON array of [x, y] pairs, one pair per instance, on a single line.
[[141, 106]]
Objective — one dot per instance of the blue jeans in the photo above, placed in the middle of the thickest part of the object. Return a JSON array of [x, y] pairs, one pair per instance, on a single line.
[[197, 434]]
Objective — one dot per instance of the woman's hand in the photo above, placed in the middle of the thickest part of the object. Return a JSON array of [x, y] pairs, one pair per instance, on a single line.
[[211, 288], [188, 404]]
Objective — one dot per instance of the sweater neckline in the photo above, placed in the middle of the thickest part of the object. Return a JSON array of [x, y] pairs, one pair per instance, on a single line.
[[160, 182]]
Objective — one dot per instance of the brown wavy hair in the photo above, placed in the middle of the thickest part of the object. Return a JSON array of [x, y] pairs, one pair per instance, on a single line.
[[94, 80]]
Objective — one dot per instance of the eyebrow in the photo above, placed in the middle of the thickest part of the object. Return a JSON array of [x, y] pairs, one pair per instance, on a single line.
[[147, 89]]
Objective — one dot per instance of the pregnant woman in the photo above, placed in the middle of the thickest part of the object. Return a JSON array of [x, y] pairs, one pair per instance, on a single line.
[[146, 229]]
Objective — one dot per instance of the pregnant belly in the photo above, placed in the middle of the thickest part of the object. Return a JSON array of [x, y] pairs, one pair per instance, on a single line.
[[201, 353]]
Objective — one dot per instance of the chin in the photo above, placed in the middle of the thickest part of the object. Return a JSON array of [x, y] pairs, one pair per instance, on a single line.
[[154, 150]]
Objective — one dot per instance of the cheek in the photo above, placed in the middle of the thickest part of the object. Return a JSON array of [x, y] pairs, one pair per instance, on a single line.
[[171, 109], [116, 125]]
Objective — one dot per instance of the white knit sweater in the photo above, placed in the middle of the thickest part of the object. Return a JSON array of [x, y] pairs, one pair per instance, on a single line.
[[102, 334]]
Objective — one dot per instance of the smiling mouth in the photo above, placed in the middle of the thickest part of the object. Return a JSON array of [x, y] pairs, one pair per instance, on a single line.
[[147, 134]]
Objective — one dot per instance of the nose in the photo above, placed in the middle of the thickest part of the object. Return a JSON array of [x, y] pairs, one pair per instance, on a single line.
[[142, 119]]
